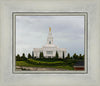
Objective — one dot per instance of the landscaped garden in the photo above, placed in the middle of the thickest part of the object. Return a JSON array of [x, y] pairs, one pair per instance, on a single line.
[[42, 62]]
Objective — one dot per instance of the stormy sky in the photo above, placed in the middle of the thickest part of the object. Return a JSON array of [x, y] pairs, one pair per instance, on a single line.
[[67, 31]]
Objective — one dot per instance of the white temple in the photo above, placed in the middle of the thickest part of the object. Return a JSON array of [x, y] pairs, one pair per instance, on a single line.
[[49, 50]]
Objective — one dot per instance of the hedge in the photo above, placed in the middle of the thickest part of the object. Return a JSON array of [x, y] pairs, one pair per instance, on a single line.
[[45, 63]]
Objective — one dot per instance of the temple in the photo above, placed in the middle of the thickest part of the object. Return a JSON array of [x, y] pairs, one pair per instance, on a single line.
[[49, 50]]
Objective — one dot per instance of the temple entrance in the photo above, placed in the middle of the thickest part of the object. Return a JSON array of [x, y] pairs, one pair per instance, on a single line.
[[49, 56]]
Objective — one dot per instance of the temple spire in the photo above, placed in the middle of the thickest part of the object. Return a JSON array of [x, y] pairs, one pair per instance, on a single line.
[[49, 29], [50, 38]]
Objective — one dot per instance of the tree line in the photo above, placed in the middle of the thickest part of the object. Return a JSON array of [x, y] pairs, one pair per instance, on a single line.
[[41, 57]]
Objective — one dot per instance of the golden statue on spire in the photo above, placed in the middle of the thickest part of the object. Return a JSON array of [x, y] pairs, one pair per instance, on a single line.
[[49, 29]]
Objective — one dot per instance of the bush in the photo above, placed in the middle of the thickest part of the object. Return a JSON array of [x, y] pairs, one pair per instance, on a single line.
[[35, 62]]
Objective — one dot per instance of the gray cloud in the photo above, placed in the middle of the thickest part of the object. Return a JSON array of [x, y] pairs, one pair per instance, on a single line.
[[32, 32]]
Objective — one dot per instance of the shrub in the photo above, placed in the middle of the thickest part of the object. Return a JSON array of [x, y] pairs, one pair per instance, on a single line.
[[45, 63]]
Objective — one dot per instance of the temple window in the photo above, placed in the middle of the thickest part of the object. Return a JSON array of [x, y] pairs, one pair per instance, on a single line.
[[49, 52], [49, 42]]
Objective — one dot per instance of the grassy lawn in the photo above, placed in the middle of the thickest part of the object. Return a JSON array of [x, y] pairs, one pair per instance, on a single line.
[[43, 64]]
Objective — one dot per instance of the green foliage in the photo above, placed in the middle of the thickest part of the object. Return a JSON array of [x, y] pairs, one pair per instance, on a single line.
[[63, 55], [75, 56], [81, 57], [29, 56], [32, 54], [48, 59], [41, 55], [23, 63], [66, 67], [70, 62], [68, 56], [54, 62], [67, 61], [57, 54], [78, 57], [36, 62], [23, 57], [26, 64], [18, 58]]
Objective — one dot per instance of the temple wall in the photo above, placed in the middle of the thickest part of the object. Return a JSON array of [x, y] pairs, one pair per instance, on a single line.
[[45, 50]]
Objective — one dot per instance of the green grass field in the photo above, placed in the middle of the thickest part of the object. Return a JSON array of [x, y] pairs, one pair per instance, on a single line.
[[36, 63]]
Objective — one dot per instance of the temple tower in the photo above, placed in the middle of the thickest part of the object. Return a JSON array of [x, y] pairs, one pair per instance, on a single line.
[[49, 49], [50, 38]]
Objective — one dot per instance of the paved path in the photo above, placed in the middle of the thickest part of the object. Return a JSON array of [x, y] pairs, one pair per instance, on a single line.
[[19, 68]]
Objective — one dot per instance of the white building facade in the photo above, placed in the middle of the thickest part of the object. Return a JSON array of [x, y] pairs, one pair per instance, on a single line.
[[49, 50]]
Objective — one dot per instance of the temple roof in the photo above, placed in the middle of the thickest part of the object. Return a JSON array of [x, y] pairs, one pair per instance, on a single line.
[[50, 45]]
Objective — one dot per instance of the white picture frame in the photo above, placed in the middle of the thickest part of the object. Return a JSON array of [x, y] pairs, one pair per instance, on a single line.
[[8, 78], [84, 14]]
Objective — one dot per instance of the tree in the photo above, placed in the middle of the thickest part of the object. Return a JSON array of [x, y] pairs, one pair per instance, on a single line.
[[32, 54], [41, 55], [29, 56], [23, 57], [75, 56], [83, 57], [18, 57], [63, 55], [80, 56], [68, 56], [57, 54]]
